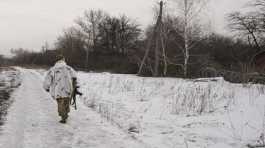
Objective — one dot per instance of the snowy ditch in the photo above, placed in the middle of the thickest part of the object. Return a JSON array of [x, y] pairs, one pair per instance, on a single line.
[[178, 113], [9, 80]]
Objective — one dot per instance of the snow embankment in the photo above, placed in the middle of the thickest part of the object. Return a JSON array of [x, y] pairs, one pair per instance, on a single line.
[[9, 80], [179, 113]]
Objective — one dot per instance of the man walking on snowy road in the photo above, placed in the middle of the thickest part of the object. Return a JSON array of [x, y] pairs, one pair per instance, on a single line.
[[60, 81]]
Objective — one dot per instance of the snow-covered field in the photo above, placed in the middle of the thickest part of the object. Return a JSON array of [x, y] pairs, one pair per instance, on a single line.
[[176, 113], [130, 111]]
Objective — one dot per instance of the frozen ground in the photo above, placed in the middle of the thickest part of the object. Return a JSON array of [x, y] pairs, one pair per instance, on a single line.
[[129, 111]]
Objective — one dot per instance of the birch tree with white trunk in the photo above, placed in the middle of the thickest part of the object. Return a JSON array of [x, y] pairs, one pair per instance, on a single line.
[[189, 11]]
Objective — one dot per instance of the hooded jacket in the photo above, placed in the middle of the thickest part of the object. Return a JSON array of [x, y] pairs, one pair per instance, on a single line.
[[59, 80]]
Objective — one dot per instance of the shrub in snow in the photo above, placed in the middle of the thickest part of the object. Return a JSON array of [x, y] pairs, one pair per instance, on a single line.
[[117, 114], [191, 98]]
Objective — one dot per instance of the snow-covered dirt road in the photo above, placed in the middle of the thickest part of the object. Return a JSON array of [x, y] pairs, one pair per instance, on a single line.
[[32, 122]]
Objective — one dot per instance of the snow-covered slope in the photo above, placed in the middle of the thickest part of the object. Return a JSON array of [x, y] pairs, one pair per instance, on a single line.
[[176, 113]]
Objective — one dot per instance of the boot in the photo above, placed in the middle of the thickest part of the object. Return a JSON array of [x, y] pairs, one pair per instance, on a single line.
[[62, 121], [64, 118]]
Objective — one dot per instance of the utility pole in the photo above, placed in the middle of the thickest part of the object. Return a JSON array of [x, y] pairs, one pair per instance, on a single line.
[[157, 37]]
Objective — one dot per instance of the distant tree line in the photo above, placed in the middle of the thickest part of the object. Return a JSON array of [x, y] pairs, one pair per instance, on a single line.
[[101, 42]]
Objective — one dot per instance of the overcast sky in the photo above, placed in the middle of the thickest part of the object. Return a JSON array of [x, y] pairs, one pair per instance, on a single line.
[[31, 23]]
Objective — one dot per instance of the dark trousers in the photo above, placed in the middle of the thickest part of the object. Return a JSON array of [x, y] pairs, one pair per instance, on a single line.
[[63, 107]]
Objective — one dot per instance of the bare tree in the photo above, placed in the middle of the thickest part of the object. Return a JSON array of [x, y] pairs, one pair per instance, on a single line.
[[128, 34], [247, 25], [189, 12], [72, 45], [251, 24], [260, 6], [118, 34], [89, 24]]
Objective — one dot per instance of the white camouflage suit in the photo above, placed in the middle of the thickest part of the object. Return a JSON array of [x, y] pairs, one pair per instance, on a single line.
[[59, 80]]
